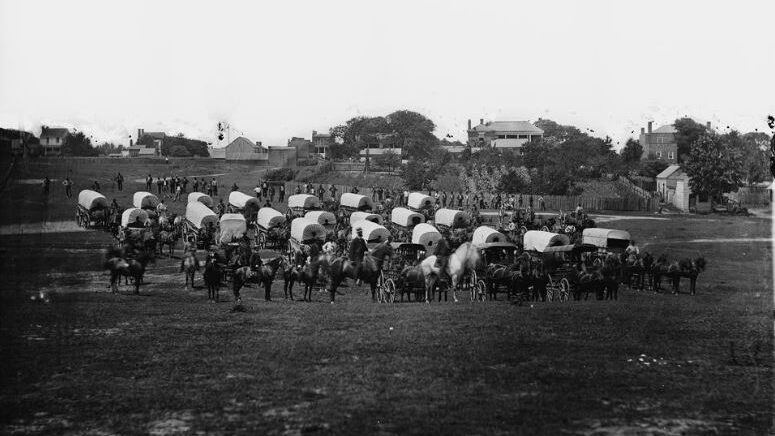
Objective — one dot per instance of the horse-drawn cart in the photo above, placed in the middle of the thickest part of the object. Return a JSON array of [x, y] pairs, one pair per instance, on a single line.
[[350, 202], [449, 219], [202, 198], [559, 263], [92, 210], [271, 223], [403, 222], [300, 204], [606, 240], [373, 233], [200, 221], [419, 202], [361, 216], [244, 204], [399, 276], [324, 218], [426, 235], [304, 232], [147, 202]]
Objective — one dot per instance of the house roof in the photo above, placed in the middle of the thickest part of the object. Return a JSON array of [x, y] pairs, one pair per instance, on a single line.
[[669, 171], [241, 141], [666, 129], [155, 135], [55, 132], [508, 126], [378, 151]]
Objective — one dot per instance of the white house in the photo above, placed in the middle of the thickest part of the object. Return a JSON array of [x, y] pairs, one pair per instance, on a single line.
[[673, 185]]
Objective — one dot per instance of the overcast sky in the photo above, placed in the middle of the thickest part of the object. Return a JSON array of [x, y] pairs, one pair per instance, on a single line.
[[280, 69]]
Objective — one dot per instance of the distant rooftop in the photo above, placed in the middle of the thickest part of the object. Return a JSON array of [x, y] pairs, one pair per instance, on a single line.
[[666, 129], [508, 126]]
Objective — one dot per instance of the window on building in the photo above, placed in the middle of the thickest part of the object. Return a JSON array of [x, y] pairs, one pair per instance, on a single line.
[[670, 155], [659, 155], [522, 136], [501, 136]]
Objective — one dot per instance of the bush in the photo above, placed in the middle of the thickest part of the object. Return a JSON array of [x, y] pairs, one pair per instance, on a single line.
[[281, 174]]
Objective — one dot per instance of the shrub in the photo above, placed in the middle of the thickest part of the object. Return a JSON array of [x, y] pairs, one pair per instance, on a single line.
[[281, 174]]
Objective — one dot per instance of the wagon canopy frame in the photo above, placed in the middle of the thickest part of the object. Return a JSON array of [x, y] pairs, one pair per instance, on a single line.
[[426, 235], [92, 200], [200, 215], [268, 218], [202, 198], [536, 240], [145, 200]]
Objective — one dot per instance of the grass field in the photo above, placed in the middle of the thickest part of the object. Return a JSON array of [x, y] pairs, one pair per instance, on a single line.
[[166, 362]]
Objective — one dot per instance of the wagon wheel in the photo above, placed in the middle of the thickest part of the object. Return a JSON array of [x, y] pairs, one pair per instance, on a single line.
[[481, 288], [551, 290], [388, 291], [564, 289], [261, 240]]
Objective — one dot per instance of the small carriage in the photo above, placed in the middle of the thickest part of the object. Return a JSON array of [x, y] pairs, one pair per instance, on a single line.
[[350, 202], [536, 243], [393, 281], [300, 204], [270, 223], [324, 218], [559, 264], [304, 232], [202, 198], [606, 240], [92, 210], [404, 220], [373, 233], [147, 202], [132, 224], [244, 204], [497, 258], [367, 216], [199, 219]]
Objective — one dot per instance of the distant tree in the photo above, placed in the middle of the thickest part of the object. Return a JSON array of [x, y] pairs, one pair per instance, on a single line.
[[179, 151], [78, 144], [650, 168], [146, 141], [343, 150], [107, 148], [755, 157], [194, 147], [417, 174], [515, 180], [714, 165], [688, 131], [632, 151], [388, 160]]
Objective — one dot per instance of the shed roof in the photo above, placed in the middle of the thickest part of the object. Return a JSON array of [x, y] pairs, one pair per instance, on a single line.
[[669, 171]]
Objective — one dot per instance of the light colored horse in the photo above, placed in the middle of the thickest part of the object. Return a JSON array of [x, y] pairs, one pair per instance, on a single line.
[[463, 260]]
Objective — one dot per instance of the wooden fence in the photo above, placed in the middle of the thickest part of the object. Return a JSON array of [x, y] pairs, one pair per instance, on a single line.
[[550, 202]]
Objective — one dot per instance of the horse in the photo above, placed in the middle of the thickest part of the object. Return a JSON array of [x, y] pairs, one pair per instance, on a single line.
[[212, 277], [120, 265], [264, 275], [168, 238], [291, 275], [465, 258], [340, 268], [306, 273], [610, 272], [659, 268], [190, 265], [116, 264], [689, 268]]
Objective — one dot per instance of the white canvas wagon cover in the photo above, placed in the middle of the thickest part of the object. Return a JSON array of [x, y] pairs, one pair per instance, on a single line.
[[200, 197], [425, 234], [92, 200], [418, 200], [199, 215], [326, 219], [268, 218], [303, 230], [145, 200], [405, 217], [240, 201], [450, 218], [356, 201], [537, 240], [233, 226], [130, 215], [361, 216], [303, 201], [372, 232], [599, 237], [487, 235]]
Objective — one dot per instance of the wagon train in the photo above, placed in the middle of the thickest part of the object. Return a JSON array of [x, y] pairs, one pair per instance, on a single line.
[[202, 198], [303, 233], [147, 202], [496, 273], [403, 222], [400, 275], [539, 244], [199, 227], [92, 210], [300, 204], [350, 202], [272, 229]]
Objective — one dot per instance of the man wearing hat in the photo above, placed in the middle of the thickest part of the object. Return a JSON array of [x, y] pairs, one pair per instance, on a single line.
[[357, 250]]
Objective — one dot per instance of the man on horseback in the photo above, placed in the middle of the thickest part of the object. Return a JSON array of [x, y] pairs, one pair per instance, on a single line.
[[358, 249]]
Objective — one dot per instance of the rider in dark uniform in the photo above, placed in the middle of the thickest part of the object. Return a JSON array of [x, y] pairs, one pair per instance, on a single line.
[[442, 256], [255, 261], [358, 249]]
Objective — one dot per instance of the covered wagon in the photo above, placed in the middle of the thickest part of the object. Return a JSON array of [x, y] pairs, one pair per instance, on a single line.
[[609, 240], [536, 240], [145, 200], [92, 209], [406, 218], [373, 233], [131, 215], [450, 219], [272, 232], [324, 218], [202, 198], [200, 223], [245, 204], [361, 216], [232, 226], [351, 202], [299, 204], [419, 201], [426, 235], [487, 235], [304, 232]]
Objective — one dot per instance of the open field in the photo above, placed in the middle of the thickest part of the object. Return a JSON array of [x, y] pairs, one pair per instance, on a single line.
[[166, 362]]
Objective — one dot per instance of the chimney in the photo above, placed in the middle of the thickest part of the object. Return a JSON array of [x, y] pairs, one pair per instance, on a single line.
[[481, 120], [642, 130], [258, 143], [314, 133], [469, 124], [130, 142], [708, 125], [650, 122]]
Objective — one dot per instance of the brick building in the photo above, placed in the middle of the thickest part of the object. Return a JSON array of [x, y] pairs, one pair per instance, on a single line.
[[659, 144]]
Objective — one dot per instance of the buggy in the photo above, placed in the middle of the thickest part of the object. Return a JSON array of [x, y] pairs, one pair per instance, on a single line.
[[393, 281], [559, 264]]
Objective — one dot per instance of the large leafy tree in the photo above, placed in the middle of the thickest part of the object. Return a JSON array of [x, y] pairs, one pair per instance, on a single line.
[[714, 165], [632, 151], [195, 147], [755, 147], [78, 144], [687, 133]]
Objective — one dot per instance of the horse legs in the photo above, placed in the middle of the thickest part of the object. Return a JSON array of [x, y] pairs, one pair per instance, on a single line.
[[267, 290], [692, 284], [237, 285], [430, 283], [138, 280], [676, 279]]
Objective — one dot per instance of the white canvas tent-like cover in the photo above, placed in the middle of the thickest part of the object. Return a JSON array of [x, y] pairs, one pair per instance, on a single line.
[[486, 235], [361, 216], [406, 218], [426, 235], [90, 200], [200, 215], [303, 201], [325, 219], [356, 201], [268, 218], [605, 238], [145, 200], [130, 216], [450, 218], [372, 232], [303, 230], [232, 226], [202, 198], [240, 201], [536, 240], [418, 200]]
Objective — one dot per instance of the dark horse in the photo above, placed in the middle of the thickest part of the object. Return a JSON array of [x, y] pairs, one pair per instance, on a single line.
[[264, 275], [306, 273], [119, 264], [340, 268], [190, 265], [291, 275], [212, 277], [689, 268]]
